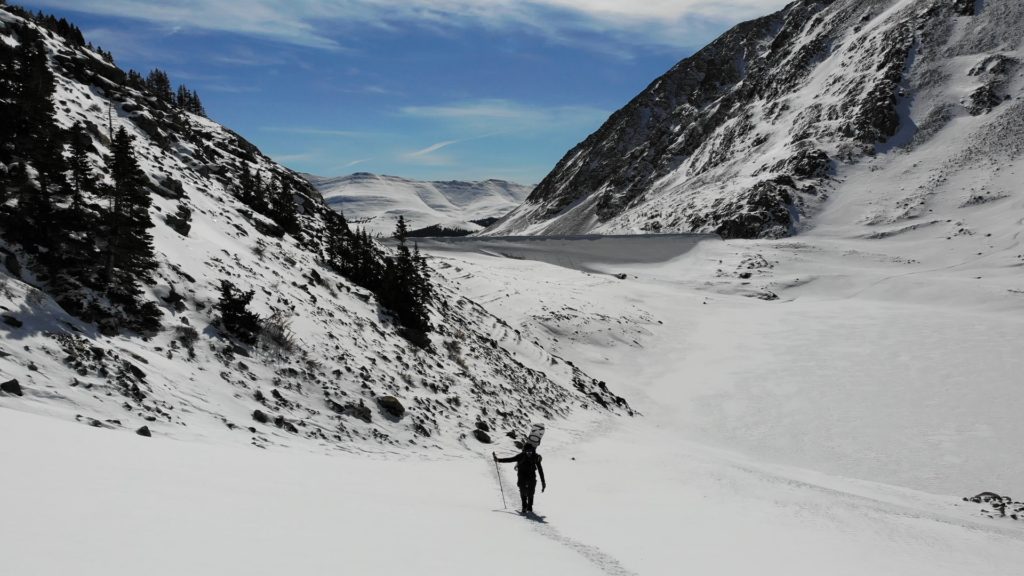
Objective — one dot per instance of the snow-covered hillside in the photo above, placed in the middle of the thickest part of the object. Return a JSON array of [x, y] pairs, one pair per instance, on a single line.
[[337, 373], [375, 202], [819, 103], [813, 407], [807, 406]]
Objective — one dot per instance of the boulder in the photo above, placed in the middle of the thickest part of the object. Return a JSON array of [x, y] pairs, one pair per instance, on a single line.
[[11, 387], [144, 431], [391, 406], [482, 436], [12, 321], [260, 417]]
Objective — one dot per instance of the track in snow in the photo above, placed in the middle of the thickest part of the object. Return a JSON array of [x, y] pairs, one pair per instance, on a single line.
[[603, 561]]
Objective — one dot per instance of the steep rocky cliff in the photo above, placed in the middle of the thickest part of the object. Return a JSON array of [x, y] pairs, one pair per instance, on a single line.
[[747, 137]]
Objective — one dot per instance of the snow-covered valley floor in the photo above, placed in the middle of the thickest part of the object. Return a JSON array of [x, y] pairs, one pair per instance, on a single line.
[[812, 406]]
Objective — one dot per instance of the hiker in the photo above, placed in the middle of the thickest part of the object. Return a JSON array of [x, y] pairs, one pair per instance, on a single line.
[[528, 465]]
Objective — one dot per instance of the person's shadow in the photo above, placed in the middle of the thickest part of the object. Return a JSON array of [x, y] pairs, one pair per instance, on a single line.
[[533, 516]]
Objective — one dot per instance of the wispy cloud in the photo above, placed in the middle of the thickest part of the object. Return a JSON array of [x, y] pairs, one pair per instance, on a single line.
[[285, 158], [314, 23], [496, 116], [314, 131], [432, 148]]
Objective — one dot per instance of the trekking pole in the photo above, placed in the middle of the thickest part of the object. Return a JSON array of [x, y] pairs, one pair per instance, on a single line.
[[500, 487]]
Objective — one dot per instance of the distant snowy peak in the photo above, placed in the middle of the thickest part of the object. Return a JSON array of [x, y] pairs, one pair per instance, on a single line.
[[375, 201], [748, 136]]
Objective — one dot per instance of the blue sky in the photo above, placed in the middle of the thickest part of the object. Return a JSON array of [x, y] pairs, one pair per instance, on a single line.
[[427, 89]]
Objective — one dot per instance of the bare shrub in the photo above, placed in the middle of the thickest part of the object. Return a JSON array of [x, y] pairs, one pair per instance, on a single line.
[[277, 333]]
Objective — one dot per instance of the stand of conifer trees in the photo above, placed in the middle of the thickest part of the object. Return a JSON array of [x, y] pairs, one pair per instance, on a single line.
[[400, 280], [87, 240]]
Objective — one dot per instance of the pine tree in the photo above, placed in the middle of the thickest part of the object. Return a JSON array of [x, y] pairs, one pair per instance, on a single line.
[[235, 316], [78, 250], [34, 86], [38, 141], [258, 195], [282, 206], [135, 80], [404, 289], [83, 178], [196, 105], [159, 84], [129, 254], [183, 99]]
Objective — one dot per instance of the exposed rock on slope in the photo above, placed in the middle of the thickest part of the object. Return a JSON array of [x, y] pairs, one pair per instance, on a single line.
[[747, 137]]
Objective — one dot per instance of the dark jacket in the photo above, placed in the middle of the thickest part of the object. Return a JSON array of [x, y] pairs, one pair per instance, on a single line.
[[528, 465]]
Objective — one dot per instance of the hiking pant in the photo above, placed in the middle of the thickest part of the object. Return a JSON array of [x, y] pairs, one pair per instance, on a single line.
[[527, 486]]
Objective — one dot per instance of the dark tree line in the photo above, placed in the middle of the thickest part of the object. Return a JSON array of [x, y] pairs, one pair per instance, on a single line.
[[400, 280], [158, 84], [86, 238], [273, 197]]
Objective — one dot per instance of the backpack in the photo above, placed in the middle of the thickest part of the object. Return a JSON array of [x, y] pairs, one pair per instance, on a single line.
[[527, 465]]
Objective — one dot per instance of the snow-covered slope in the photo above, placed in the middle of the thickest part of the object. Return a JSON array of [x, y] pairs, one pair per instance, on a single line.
[[375, 202], [330, 385], [791, 114], [829, 431]]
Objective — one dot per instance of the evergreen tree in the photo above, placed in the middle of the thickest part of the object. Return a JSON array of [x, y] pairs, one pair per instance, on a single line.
[[405, 291], [196, 105], [188, 100], [78, 250], [129, 254], [135, 80], [34, 86], [258, 195], [36, 140], [183, 99], [246, 183], [282, 207], [235, 316], [159, 85], [83, 178]]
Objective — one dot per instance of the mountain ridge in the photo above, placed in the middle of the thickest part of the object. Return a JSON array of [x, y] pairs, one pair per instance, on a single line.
[[376, 200], [752, 135]]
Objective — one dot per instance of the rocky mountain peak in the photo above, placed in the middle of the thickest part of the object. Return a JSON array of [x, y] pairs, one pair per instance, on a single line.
[[745, 137]]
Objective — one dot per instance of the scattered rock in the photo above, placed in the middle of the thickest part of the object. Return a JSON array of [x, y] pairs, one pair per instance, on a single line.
[[285, 425], [144, 431], [11, 387], [983, 100], [360, 411], [1002, 506], [964, 7], [391, 406], [135, 371]]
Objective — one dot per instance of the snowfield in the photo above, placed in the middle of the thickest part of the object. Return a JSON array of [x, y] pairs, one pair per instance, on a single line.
[[830, 430], [375, 201], [811, 406]]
